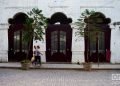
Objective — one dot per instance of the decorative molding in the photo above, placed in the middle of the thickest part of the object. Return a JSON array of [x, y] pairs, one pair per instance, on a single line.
[[59, 17], [96, 7], [58, 6], [4, 26], [20, 7], [3, 51]]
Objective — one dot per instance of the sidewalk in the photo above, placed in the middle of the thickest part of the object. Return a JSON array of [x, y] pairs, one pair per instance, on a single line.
[[102, 66]]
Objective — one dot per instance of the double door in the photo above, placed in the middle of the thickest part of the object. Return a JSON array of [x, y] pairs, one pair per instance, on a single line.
[[17, 47], [97, 49], [58, 43]]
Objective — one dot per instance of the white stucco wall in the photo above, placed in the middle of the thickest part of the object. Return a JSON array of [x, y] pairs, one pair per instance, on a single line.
[[77, 47], [3, 43], [72, 8], [115, 45]]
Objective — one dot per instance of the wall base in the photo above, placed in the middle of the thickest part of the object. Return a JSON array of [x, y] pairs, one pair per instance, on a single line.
[[78, 56], [3, 56]]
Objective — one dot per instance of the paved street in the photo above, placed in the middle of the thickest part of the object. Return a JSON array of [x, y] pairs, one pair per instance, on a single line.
[[41, 77]]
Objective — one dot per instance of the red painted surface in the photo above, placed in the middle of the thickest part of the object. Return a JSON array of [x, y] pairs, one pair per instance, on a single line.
[[108, 55]]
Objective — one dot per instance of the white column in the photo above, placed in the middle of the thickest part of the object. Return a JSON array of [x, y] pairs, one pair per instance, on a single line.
[[3, 42], [115, 45], [77, 48]]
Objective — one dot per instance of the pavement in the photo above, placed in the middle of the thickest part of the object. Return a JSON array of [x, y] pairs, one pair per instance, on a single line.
[[95, 66], [18, 77]]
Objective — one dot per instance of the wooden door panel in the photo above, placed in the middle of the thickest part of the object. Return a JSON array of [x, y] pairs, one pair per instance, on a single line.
[[57, 49], [17, 48]]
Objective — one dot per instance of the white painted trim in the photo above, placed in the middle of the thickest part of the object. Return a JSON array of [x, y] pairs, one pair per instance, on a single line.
[[4, 26]]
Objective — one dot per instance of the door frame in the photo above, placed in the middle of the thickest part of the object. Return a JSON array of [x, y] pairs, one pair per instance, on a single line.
[[104, 27], [16, 24], [68, 30], [64, 24]]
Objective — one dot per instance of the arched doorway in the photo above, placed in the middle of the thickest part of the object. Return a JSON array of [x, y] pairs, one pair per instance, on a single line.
[[97, 40], [17, 48], [58, 38]]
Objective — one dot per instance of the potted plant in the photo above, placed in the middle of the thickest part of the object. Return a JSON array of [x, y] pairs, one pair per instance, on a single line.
[[33, 30], [25, 64]]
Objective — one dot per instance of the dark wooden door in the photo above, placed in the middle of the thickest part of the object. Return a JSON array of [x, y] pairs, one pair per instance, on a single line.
[[17, 47], [97, 38], [97, 47], [58, 43]]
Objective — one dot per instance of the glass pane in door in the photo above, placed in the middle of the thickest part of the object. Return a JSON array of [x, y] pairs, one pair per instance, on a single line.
[[101, 47], [62, 42], [92, 40], [24, 44], [54, 42], [101, 42], [17, 41]]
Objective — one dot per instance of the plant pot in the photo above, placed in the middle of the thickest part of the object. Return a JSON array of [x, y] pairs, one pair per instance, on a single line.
[[25, 65], [87, 66]]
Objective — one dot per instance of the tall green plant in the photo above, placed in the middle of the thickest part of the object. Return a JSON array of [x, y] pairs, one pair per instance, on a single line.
[[81, 25], [90, 33], [34, 27], [39, 24], [80, 22]]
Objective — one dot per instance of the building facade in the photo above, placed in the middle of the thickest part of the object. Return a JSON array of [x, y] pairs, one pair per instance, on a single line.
[[60, 42]]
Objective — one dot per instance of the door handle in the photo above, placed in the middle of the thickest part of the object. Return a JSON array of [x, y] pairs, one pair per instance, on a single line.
[[11, 49]]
